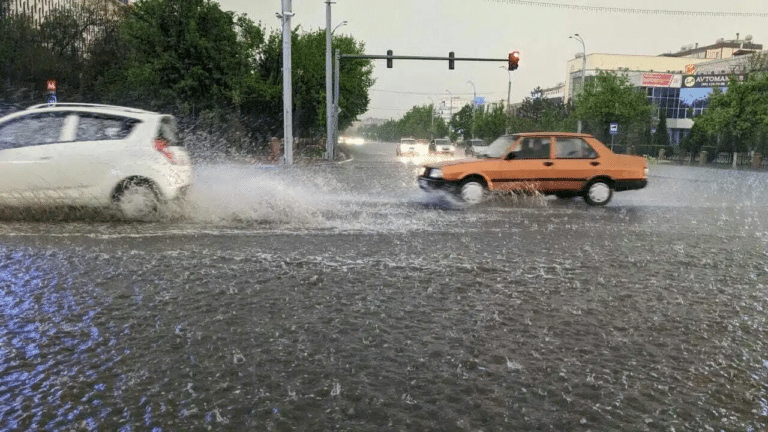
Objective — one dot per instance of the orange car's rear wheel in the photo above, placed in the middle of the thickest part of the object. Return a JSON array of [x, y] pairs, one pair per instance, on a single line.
[[598, 193]]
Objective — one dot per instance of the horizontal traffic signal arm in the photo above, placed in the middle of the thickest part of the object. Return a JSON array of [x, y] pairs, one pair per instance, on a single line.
[[408, 57]]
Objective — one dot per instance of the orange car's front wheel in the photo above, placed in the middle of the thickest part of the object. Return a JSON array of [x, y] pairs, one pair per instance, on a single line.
[[472, 191]]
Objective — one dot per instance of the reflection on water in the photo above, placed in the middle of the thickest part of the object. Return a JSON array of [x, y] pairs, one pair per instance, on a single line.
[[313, 300]]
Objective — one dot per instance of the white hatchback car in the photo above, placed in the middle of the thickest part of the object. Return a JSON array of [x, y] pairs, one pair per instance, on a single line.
[[92, 156]]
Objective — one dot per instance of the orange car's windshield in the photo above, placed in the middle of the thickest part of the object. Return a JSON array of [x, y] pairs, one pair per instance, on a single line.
[[499, 147]]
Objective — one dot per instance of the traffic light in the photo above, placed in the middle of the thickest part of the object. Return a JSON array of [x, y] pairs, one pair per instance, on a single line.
[[389, 60], [450, 60], [514, 59]]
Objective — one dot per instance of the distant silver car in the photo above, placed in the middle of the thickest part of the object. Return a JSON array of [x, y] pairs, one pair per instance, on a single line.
[[442, 146], [476, 147]]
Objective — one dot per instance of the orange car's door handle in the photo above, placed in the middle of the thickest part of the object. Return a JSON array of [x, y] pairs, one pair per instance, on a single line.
[[594, 163], [548, 163]]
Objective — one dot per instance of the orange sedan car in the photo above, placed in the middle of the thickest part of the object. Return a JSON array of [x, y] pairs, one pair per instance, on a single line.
[[552, 163]]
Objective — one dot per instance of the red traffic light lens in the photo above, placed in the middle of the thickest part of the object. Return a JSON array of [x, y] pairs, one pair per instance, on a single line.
[[514, 59]]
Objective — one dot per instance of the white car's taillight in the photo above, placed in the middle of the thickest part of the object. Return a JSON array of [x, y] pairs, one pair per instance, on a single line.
[[161, 145]]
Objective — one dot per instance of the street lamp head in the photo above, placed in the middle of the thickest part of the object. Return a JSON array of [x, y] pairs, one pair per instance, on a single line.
[[339, 25]]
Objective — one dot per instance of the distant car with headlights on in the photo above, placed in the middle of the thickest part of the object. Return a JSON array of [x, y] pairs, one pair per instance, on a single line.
[[442, 146], [552, 163], [411, 147]]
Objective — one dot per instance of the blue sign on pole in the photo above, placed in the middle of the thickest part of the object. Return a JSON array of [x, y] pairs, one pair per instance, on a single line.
[[614, 128], [479, 101], [51, 99]]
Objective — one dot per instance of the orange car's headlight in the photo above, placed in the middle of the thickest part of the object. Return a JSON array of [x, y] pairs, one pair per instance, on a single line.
[[436, 173]]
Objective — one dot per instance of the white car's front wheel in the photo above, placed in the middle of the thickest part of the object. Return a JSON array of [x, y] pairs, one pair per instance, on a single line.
[[472, 191]]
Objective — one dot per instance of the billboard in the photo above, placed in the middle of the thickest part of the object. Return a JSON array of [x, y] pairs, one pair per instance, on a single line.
[[661, 80], [718, 80]]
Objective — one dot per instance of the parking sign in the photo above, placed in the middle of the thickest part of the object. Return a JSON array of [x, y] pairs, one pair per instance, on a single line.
[[614, 128]]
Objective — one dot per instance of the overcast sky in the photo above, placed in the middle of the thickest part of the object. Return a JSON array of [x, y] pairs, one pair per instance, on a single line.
[[494, 28]]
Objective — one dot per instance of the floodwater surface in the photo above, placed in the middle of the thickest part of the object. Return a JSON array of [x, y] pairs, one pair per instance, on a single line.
[[340, 297]]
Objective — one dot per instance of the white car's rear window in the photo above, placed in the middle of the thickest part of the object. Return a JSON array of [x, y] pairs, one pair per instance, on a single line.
[[168, 132]]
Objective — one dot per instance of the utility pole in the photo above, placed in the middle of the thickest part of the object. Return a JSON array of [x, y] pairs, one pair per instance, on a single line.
[[336, 109], [509, 85], [583, 67], [287, 85], [450, 102], [328, 83], [474, 106], [432, 119]]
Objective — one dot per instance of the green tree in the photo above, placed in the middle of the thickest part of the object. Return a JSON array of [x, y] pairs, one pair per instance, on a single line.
[[534, 106], [308, 80], [696, 139], [491, 124], [611, 98], [461, 122], [662, 136], [185, 52], [61, 47], [739, 114]]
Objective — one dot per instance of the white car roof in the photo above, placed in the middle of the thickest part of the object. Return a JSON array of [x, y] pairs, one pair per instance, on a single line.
[[96, 108]]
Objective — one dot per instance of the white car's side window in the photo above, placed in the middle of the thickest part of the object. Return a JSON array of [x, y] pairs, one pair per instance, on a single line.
[[32, 130], [96, 127]]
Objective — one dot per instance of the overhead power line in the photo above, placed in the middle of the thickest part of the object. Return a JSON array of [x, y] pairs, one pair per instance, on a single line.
[[612, 9], [430, 93]]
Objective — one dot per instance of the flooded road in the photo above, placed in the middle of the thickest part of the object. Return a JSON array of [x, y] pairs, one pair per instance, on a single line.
[[340, 297]]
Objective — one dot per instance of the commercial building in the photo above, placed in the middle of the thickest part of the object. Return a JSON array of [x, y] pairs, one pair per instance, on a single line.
[[38, 9], [676, 83]]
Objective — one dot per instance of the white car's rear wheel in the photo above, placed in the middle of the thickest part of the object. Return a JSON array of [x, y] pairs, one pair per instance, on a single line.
[[472, 191], [598, 193], [136, 200]]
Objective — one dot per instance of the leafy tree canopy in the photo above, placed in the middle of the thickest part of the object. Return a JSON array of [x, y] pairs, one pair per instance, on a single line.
[[611, 98], [742, 111]]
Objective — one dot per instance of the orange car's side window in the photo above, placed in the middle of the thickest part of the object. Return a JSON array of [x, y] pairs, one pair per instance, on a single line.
[[534, 148], [574, 148]]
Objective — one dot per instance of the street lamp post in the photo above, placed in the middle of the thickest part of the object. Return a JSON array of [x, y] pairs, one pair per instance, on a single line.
[[450, 103], [509, 85], [432, 118], [474, 96], [583, 66], [328, 83]]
